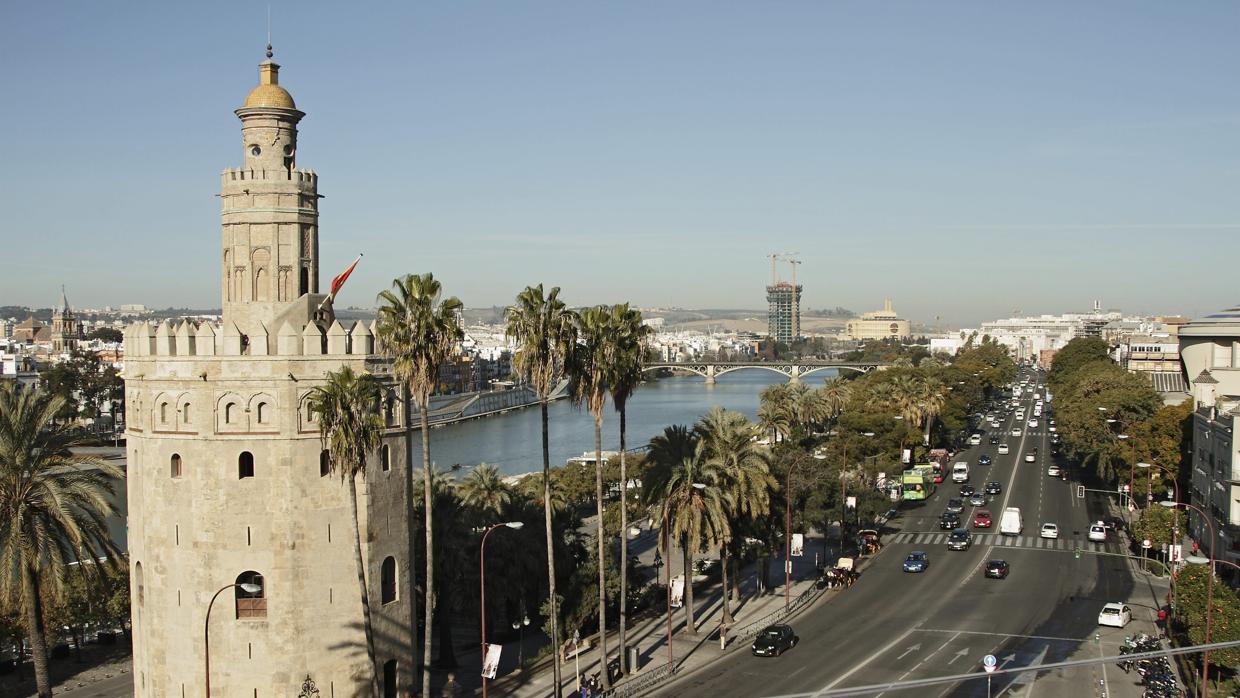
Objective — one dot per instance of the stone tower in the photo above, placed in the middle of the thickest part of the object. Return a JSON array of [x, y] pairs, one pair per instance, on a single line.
[[227, 482], [64, 326]]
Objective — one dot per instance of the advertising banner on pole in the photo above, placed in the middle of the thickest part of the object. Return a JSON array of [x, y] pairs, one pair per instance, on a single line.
[[906, 456], [678, 591], [491, 664], [798, 544]]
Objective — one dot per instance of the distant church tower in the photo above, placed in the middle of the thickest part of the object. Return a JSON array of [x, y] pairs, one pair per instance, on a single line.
[[64, 328], [227, 480]]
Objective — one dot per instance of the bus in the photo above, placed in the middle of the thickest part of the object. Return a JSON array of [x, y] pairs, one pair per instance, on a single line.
[[918, 483]]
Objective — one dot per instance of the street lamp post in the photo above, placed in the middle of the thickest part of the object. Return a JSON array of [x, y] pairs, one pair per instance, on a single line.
[[206, 626], [482, 590], [519, 626], [577, 658], [1205, 655]]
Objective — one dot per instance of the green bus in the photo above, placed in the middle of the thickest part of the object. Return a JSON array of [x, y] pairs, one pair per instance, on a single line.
[[918, 483]]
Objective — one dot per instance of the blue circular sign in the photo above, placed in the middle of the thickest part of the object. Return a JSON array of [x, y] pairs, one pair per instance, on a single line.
[[989, 660]]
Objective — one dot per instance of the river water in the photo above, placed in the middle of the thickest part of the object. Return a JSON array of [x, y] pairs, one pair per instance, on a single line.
[[513, 441]]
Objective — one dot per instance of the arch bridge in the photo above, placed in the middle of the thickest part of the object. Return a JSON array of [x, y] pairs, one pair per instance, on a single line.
[[793, 370]]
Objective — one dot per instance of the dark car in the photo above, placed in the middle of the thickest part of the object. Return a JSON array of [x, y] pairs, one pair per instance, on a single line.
[[985, 459], [993, 440], [966, 490], [993, 487], [959, 539], [955, 505], [997, 569], [773, 640], [949, 520], [917, 561]]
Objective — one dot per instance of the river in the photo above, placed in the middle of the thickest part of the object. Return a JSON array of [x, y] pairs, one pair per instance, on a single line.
[[513, 441]]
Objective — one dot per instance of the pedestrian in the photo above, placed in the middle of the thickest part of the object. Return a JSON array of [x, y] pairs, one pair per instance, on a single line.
[[1162, 620]]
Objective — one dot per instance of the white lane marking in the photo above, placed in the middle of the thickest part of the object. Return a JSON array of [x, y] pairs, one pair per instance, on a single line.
[[1008, 635], [860, 665], [914, 648], [924, 659]]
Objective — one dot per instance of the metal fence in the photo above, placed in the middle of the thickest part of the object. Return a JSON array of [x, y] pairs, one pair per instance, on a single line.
[[639, 684], [750, 631]]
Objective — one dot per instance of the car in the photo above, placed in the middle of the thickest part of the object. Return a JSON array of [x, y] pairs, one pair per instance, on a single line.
[[966, 490], [977, 499], [955, 505], [959, 539], [1053, 471], [1031, 456], [983, 519], [1033, 423], [773, 640], [1051, 429], [1098, 533], [1016, 432], [997, 569], [983, 459], [1050, 530], [949, 521], [993, 487], [994, 439], [1003, 449], [917, 561], [1116, 615], [975, 439]]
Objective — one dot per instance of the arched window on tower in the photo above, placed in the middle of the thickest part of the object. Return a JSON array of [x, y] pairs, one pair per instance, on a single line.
[[385, 458], [263, 413], [245, 465], [325, 463], [389, 679], [304, 282], [251, 604], [387, 580], [175, 465]]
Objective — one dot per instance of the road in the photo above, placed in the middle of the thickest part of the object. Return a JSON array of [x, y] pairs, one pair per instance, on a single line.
[[892, 626]]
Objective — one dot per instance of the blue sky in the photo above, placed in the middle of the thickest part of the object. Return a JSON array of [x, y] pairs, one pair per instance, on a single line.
[[965, 159]]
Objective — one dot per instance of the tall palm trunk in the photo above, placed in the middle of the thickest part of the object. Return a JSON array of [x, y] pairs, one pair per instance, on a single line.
[[723, 567], [736, 580], [429, 617], [555, 633], [34, 623], [602, 562], [690, 626], [361, 583], [624, 545]]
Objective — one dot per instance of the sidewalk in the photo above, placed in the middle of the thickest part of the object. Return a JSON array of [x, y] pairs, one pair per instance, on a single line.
[[649, 632]]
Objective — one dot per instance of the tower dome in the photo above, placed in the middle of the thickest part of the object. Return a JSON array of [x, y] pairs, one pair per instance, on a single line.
[[268, 92]]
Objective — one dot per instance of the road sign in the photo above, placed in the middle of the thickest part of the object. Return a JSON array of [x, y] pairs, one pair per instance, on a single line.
[[1147, 544], [989, 663]]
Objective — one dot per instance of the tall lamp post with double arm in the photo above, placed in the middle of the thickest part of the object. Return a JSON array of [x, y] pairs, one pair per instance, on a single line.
[[482, 591]]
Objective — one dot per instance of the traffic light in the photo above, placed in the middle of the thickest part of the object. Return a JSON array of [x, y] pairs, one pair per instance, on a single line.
[[1080, 491]]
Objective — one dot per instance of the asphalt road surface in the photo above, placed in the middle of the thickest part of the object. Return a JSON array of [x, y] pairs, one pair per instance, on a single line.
[[893, 626]]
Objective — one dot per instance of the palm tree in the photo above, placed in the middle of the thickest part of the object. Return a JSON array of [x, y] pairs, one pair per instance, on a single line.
[[351, 427], [629, 357], [545, 332], [485, 490], [693, 506], [835, 393], [934, 399], [776, 412], [418, 329], [53, 507], [591, 371], [810, 407], [745, 476]]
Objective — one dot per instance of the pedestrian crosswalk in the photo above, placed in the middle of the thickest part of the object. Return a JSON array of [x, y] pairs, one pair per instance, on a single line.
[[988, 538]]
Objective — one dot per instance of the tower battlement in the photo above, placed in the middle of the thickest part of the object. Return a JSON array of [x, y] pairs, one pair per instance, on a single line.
[[188, 339], [308, 178]]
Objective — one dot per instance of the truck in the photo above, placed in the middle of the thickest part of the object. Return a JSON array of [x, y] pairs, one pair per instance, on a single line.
[[1011, 524]]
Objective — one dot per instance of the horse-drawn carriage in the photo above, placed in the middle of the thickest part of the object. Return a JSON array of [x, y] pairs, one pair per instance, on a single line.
[[868, 541], [842, 575]]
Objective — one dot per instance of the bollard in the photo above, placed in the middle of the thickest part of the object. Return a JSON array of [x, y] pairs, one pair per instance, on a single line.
[[632, 657]]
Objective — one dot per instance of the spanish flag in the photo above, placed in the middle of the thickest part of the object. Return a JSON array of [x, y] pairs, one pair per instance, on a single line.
[[339, 280]]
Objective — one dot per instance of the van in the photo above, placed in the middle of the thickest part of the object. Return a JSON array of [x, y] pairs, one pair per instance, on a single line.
[[1098, 532], [1011, 524], [960, 472]]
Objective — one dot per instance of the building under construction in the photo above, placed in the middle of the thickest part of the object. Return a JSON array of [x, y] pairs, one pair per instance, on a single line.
[[783, 315]]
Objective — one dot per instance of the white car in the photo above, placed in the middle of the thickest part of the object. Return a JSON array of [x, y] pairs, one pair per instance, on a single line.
[[1033, 423], [1003, 449], [1050, 530], [1098, 533], [1052, 471], [1016, 432], [1031, 456], [1051, 429], [1115, 615]]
